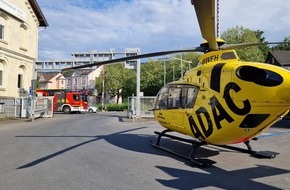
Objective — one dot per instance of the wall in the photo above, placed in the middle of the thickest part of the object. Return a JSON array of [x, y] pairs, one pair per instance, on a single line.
[[18, 49]]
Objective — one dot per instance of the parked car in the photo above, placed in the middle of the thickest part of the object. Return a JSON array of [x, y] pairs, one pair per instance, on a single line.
[[92, 109]]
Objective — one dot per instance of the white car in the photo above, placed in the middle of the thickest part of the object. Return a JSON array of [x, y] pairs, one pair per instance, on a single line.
[[92, 109]]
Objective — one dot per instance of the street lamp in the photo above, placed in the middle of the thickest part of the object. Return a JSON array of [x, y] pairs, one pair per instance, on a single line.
[[164, 69], [181, 61], [174, 58]]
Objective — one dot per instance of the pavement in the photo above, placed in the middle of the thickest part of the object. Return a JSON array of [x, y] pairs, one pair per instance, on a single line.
[[109, 151]]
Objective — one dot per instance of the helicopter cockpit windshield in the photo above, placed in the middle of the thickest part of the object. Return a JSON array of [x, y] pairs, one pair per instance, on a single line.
[[174, 96]]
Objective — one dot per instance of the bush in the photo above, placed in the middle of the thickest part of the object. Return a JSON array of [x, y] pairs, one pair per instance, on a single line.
[[113, 107]]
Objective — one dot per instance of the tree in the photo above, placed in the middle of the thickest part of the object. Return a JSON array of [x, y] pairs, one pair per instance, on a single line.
[[264, 48], [284, 46], [129, 82], [152, 73], [151, 79], [243, 35], [118, 80]]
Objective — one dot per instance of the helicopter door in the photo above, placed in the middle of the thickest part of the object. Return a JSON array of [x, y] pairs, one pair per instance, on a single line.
[[175, 101], [175, 113]]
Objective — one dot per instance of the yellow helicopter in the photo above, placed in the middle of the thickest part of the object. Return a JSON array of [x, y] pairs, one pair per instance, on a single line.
[[223, 100]]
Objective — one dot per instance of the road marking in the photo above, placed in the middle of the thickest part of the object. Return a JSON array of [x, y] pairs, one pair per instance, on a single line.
[[273, 134]]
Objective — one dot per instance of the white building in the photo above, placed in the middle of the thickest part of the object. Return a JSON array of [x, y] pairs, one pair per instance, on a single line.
[[19, 24], [84, 58]]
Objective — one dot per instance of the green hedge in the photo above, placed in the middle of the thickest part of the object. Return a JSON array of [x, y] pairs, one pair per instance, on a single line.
[[113, 107]]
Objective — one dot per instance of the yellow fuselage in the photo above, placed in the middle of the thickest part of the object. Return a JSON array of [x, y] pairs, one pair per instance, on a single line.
[[235, 100]]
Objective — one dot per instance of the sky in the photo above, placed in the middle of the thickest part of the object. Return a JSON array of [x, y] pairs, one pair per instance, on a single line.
[[151, 25]]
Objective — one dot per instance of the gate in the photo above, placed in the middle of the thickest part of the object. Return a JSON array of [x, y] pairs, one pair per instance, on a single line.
[[43, 107], [146, 106]]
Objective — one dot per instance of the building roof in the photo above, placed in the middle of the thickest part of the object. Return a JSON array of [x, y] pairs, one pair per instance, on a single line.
[[85, 71], [47, 77], [283, 57], [78, 72], [38, 13], [68, 73]]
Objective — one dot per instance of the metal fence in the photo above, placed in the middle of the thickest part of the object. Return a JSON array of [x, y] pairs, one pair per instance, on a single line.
[[146, 106], [7, 106], [22, 107]]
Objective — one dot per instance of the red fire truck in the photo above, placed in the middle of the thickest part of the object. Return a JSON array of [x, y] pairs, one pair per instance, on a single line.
[[65, 101]]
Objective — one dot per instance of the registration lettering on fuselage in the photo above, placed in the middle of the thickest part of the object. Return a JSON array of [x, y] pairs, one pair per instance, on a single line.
[[210, 59]]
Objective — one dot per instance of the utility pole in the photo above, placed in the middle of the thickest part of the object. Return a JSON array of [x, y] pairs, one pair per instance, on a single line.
[[164, 69], [138, 111], [103, 90]]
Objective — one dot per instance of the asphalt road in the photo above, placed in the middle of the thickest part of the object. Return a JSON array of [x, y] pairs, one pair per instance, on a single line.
[[107, 151]]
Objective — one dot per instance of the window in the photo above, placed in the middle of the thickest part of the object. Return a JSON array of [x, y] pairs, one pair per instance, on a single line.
[[1, 31], [68, 82], [76, 97], [1, 78], [228, 55], [83, 80], [176, 97], [189, 95], [162, 98], [23, 37], [4, 22], [3, 81], [20, 76], [20, 81]]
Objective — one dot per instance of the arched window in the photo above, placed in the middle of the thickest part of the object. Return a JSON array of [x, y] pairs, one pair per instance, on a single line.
[[24, 36], [20, 76], [1, 31], [3, 74]]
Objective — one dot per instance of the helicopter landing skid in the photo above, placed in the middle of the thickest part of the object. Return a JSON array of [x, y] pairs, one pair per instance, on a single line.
[[249, 150], [191, 157]]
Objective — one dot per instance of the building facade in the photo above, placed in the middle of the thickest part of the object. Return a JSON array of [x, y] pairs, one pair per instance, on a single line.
[[51, 81], [19, 24], [84, 58], [82, 78]]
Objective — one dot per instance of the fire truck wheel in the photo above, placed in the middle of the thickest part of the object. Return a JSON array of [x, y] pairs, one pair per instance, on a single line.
[[66, 110]]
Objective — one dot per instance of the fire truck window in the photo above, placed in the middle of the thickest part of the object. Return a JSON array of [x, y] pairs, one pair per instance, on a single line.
[[84, 98], [76, 97]]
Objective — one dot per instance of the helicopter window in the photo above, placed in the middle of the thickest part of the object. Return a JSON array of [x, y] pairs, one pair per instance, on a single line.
[[162, 99], [228, 55], [189, 99], [259, 76], [176, 97]]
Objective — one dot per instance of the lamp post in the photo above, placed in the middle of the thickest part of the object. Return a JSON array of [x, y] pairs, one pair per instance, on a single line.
[[164, 69], [181, 61], [181, 64]]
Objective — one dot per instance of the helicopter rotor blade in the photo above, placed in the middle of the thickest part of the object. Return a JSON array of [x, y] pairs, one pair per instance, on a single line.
[[155, 54], [244, 45], [205, 12]]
